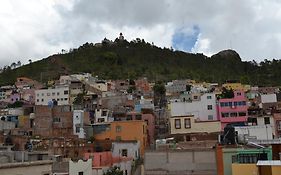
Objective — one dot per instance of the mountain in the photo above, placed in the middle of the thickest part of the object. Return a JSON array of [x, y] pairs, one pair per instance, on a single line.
[[128, 60]]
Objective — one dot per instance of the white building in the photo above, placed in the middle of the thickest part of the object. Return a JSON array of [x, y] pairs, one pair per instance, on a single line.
[[80, 167], [264, 132], [102, 116], [202, 107], [78, 123], [268, 98], [126, 149], [45, 96]]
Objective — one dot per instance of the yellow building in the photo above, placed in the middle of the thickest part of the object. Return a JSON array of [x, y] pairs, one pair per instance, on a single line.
[[126, 130], [237, 86], [245, 169], [187, 124], [263, 167]]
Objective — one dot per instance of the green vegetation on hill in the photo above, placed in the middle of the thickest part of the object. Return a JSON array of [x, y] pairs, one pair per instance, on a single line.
[[129, 60]]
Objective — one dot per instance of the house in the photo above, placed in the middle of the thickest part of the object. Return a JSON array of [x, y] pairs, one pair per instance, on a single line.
[[176, 86], [59, 94], [123, 131], [231, 157], [102, 115], [188, 125], [202, 107], [80, 167], [233, 110], [53, 121], [80, 118], [147, 117]]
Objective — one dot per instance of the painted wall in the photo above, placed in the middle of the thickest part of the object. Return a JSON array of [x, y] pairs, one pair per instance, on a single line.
[[126, 130], [260, 132], [133, 149], [239, 96], [196, 127], [43, 96], [244, 169], [197, 108]]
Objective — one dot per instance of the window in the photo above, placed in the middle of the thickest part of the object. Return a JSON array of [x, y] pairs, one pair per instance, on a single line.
[[48, 94], [65, 92], [80, 173], [195, 97], [238, 94], [177, 123], [235, 103], [65, 99], [77, 129], [187, 123], [129, 117], [56, 119], [100, 120], [266, 120], [118, 138], [210, 117], [37, 100], [138, 117], [58, 93], [242, 114], [210, 107], [118, 128], [229, 103], [278, 124], [42, 94], [124, 152], [224, 114], [53, 94], [42, 100], [233, 114], [209, 97], [222, 104], [61, 99], [104, 113], [37, 95]]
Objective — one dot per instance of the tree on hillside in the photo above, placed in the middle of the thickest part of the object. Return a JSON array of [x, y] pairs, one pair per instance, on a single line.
[[159, 94]]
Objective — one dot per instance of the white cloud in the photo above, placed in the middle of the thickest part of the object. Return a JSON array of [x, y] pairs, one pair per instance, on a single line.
[[38, 28]]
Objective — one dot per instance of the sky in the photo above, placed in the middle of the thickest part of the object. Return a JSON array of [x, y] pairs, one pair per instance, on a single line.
[[35, 29]]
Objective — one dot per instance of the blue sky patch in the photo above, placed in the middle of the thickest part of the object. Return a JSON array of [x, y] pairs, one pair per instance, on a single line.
[[185, 38]]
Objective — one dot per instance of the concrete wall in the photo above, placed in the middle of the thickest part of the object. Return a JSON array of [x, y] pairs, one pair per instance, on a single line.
[[180, 162], [27, 168]]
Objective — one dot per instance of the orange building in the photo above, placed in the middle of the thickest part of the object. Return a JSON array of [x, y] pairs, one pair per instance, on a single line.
[[125, 130]]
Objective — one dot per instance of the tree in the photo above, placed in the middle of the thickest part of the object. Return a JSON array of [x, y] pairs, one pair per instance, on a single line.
[[18, 64], [13, 65], [114, 171]]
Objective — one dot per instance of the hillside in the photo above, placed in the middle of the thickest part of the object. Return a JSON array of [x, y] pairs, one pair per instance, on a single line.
[[122, 60]]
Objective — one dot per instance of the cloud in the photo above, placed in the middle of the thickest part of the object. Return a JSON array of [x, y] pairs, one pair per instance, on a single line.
[[39, 28]]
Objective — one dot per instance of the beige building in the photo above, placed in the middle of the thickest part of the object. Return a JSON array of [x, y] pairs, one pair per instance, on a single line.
[[187, 124], [43, 167]]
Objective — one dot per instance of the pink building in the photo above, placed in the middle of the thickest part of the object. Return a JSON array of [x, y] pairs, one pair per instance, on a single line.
[[233, 110]]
